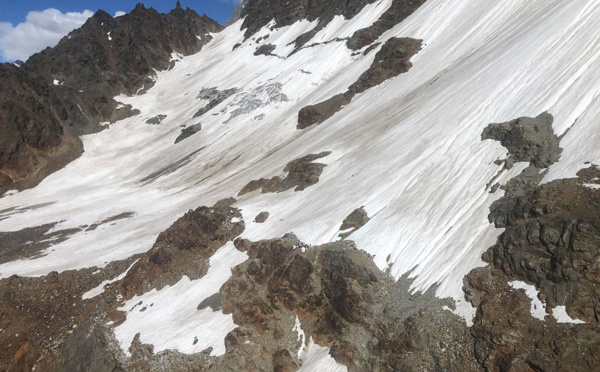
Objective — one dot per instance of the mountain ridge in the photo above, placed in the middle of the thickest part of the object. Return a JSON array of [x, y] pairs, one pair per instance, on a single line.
[[104, 58]]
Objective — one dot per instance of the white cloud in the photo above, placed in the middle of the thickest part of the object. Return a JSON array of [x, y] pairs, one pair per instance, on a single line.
[[119, 13], [40, 30]]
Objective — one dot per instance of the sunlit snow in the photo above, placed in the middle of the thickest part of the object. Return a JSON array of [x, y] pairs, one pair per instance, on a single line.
[[409, 151]]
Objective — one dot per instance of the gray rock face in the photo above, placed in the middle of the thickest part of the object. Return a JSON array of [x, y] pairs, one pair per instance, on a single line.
[[214, 97], [157, 120], [527, 139], [261, 217], [237, 13], [259, 13], [265, 49], [188, 132]]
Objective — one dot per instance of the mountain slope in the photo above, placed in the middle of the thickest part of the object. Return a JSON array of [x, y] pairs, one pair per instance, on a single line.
[[463, 171], [80, 77]]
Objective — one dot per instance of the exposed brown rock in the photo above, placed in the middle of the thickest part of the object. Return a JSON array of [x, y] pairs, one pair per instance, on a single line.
[[355, 220], [396, 13], [551, 240], [301, 173], [38, 315], [227, 202], [318, 113], [183, 249], [392, 60], [345, 302], [261, 217]]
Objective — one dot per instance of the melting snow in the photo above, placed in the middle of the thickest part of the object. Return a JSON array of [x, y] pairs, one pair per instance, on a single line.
[[560, 314], [409, 150], [317, 359], [538, 309], [169, 318], [100, 288], [301, 336]]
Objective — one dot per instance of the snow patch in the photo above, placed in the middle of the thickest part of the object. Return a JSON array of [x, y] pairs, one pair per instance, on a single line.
[[301, 336], [560, 314], [317, 359], [100, 288], [538, 309], [169, 318]]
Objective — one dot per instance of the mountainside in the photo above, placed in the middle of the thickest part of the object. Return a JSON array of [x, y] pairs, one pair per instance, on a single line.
[[320, 186], [73, 85]]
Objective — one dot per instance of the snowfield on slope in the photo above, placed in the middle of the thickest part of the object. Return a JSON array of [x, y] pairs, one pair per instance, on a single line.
[[409, 150]]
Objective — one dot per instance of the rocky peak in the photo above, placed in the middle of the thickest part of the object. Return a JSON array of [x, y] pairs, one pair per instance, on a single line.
[[258, 13], [105, 57]]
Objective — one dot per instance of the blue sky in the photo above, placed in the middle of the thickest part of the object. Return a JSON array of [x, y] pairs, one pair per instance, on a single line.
[[28, 26], [15, 11]]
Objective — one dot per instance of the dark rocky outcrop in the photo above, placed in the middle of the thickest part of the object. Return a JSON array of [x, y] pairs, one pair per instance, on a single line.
[[156, 120], [318, 113], [301, 173], [343, 301], [261, 217], [397, 12], [258, 13], [34, 125], [392, 60], [527, 139], [551, 241], [183, 249], [227, 202], [355, 220], [214, 98], [265, 49], [188, 132], [66, 91], [40, 321]]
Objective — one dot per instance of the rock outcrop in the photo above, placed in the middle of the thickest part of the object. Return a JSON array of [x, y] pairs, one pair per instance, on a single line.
[[341, 300], [552, 242], [396, 13], [301, 173], [392, 60]]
